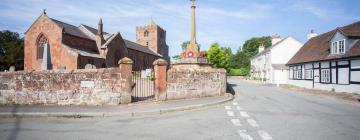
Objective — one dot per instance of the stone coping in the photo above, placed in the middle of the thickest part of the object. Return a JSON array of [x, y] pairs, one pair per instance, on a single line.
[[193, 60]]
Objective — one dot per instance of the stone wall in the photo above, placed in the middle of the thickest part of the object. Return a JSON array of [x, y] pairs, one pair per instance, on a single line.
[[110, 86], [193, 81]]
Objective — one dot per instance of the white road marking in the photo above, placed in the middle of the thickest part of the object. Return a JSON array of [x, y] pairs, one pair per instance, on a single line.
[[265, 135], [230, 113], [244, 114], [239, 108], [235, 103], [227, 107], [252, 122], [236, 122], [244, 135]]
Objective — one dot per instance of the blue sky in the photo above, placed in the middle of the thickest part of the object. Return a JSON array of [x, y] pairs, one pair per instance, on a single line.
[[228, 22]]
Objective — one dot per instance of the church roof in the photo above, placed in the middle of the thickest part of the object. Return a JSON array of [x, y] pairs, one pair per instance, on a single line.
[[138, 47], [318, 48], [71, 29], [87, 32]]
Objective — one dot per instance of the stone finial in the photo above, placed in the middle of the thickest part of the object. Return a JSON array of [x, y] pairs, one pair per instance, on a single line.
[[99, 36], [100, 27], [160, 62], [125, 60], [44, 12]]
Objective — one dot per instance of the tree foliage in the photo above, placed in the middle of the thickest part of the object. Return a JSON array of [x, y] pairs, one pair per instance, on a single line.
[[241, 60], [184, 45], [219, 57], [251, 46], [11, 50]]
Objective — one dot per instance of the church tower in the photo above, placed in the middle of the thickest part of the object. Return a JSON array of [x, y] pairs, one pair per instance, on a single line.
[[153, 37]]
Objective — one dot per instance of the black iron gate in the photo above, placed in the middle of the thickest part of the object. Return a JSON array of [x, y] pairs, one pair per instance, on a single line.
[[143, 85]]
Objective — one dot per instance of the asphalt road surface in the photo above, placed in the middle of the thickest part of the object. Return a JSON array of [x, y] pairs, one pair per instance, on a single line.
[[257, 113]]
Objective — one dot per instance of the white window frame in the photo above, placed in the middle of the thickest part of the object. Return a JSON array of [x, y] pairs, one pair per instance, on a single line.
[[325, 75], [334, 47], [337, 47], [341, 50], [308, 74]]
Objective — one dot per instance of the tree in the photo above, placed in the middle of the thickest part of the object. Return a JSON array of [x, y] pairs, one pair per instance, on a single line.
[[241, 60], [11, 50], [251, 46], [176, 57], [218, 57], [184, 45]]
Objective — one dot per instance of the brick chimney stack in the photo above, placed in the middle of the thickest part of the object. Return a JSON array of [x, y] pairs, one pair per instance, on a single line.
[[261, 47], [311, 34], [275, 39], [100, 37]]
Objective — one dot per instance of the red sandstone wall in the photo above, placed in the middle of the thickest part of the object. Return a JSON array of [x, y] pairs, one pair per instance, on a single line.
[[193, 81], [80, 87]]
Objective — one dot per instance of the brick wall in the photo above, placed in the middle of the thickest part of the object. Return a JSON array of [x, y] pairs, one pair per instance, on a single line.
[[192, 81], [110, 86]]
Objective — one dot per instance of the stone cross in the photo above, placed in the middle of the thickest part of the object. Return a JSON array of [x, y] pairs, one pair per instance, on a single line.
[[193, 46]]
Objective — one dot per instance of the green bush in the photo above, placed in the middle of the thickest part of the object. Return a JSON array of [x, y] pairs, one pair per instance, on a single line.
[[239, 72]]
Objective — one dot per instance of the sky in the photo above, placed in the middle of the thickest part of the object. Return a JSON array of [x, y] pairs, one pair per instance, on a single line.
[[228, 22]]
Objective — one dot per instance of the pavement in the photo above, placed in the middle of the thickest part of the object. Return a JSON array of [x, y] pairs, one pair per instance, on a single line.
[[257, 113], [130, 110]]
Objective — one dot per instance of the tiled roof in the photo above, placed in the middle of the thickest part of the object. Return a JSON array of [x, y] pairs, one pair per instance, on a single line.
[[84, 53], [318, 48], [138, 47], [88, 32], [71, 29], [269, 48]]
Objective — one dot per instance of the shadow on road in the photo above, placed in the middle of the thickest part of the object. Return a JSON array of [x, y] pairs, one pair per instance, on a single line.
[[230, 88], [16, 129]]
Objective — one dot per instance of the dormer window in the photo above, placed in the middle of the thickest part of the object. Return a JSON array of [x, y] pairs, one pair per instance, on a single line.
[[338, 47]]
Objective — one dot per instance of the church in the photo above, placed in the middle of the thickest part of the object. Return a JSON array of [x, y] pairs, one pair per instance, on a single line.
[[53, 44]]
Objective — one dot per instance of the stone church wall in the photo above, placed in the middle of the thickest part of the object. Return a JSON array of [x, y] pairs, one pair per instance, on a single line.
[[194, 81], [110, 86]]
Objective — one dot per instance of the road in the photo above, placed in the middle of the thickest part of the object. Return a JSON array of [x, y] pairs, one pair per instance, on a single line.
[[258, 113]]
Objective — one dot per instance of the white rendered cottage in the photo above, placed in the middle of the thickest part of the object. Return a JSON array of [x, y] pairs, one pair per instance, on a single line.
[[270, 63], [330, 61]]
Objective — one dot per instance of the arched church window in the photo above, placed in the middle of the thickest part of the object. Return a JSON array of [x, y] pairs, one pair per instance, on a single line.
[[146, 33], [40, 44]]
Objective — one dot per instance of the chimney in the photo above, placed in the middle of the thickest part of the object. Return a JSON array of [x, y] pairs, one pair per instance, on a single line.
[[275, 39], [261, 47], [99, 36], [311, 34]]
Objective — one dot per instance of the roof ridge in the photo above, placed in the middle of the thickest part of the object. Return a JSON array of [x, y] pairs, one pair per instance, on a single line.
[[63, 22]]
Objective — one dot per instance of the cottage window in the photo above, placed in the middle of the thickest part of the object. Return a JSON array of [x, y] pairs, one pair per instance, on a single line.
[[40, 44], [308, 74], [334, 48], [342, 46], [338, 47], [297, 72], [325, 75]]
